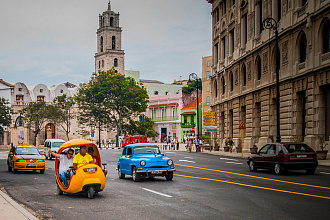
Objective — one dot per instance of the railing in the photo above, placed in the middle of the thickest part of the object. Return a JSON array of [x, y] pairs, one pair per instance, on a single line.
[[167, 118], [187, 125]]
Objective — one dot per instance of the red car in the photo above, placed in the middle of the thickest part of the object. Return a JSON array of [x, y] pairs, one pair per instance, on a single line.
[[284, 156]]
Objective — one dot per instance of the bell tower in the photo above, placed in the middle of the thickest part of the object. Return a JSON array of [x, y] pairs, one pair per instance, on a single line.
[[109, 52]]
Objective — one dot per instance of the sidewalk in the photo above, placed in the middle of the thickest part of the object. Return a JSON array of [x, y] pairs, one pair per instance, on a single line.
[[10, 209]]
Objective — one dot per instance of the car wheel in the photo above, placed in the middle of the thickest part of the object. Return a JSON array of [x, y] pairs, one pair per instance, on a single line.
[[59, 191], [9, 168], [90, 192], [169, 176], [310, 171], [252, 166], [120, 174], [277, 169], [42, 171], [136, 176]]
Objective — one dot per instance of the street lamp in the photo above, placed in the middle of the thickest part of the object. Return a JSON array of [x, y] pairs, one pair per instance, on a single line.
[[270, 23], [195, 77]]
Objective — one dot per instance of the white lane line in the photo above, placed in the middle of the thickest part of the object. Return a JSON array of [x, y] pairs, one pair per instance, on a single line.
[[188, 157], [222, 158], [325, 173], [188, 161], [234, 163], [162, 194]]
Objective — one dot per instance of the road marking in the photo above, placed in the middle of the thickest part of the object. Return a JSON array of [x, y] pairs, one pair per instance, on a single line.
[[188, 157], [222, 158], [258, 187], [257, 177], [162, 194], [234, 163], [325, 173], [188, 161]]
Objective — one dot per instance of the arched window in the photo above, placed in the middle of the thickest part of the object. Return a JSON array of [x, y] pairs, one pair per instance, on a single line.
[[231, 81], [102, 63], [99, 64], [215, 88], [116, 62], [113, 42], [223, 85], [326, 37], [258, 68], [111, 22], [302, 48], [244, 74], [101, 44]]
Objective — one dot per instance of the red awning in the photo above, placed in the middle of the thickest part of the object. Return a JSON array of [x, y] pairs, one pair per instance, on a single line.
[[188, 113]]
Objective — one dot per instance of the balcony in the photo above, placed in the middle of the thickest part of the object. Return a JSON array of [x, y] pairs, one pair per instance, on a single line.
[[167, 118], [187, 125]]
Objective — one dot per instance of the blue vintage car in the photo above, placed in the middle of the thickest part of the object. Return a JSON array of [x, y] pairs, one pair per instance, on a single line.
[[144, 160]]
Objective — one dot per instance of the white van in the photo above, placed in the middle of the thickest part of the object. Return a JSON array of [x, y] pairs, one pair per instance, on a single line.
[[54, 144]]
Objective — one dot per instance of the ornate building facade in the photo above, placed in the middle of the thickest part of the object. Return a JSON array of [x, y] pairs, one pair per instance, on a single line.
[[243, 79]]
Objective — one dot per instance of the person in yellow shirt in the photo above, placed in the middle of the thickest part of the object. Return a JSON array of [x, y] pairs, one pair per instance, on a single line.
[[82, 157]]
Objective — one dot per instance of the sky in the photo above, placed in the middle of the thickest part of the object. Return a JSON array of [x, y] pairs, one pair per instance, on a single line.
[[54, 41]]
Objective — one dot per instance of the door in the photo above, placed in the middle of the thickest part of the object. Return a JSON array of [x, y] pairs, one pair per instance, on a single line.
[[270, 156], [259, 159]]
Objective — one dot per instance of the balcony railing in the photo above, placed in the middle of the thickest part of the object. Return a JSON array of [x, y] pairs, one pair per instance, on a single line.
[[187, 125], [167, 118]]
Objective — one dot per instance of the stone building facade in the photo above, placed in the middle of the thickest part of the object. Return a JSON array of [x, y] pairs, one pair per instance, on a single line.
[[109, 53], [243, 79]]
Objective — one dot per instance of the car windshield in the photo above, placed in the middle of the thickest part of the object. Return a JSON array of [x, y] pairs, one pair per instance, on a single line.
[[27, 151], [57, 144], [146, 150], [297, 148]]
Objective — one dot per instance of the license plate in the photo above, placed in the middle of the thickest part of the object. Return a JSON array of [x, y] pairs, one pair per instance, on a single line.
[[302, 155], [30, 165], [156, 172]]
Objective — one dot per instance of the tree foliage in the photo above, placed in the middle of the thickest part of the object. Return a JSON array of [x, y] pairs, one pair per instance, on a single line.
[[5, 114], [192, 86], [145, 127], [113, 98]]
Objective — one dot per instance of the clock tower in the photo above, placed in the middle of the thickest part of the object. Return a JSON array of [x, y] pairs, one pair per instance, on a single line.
[[109, 53]]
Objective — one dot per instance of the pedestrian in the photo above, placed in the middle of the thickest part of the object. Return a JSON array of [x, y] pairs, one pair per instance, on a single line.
[[189, 145], [197, 144], [103, 142], [165, 143], [177, 144], [201, 144], [230, 144], [172, 145]]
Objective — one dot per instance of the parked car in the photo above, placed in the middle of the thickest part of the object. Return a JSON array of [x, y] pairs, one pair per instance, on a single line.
[[25, 157], [284, 156], [132, 139], [144, 160], [54, 144]]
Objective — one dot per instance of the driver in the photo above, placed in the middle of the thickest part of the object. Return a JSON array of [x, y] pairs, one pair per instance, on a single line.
[[82, 157], [66, 161]]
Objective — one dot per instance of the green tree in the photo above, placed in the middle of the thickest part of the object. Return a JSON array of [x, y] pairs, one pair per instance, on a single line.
[[192, 86], [36, 114], [5, 114], [112, 99], [63, 112], [145, 127]]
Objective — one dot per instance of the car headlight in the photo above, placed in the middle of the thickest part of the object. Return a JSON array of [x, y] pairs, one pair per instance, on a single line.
[[169, 162], [142, 163], [41, 160]]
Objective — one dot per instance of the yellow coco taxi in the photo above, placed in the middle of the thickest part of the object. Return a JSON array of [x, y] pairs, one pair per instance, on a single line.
[[25, 157], [88, 178]]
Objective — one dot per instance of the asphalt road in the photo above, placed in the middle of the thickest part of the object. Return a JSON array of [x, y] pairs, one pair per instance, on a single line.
[[204, 187]]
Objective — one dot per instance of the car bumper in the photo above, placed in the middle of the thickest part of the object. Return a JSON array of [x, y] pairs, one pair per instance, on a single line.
[[300, 165], [155, 172], [25, 166]]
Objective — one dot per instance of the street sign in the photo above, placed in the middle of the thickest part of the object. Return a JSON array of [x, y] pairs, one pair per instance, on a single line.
[[210, 127], [92, 134], [210, 130], [242, 126], [210, 118]]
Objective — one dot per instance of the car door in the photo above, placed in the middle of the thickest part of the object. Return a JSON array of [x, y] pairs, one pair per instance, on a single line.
[[122, 160], [270, 156], [259, 159], [10, 156]]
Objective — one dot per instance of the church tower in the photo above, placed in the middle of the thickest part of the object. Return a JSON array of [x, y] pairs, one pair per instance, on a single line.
[[109, 52]]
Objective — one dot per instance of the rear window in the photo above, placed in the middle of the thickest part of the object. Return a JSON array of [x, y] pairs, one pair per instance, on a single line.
[[297, 148], [146, 150]]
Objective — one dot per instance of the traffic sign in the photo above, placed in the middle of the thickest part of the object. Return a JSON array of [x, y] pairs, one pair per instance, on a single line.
[[210, 130], [193, 129], [242, 126], [92, 134]]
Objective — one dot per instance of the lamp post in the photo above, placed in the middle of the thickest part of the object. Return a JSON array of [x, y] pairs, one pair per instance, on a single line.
[[270, 23], [195, 77]]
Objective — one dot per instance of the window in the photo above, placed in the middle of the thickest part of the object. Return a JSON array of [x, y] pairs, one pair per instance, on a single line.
[[40, 98], [223, 47], [244, 75], [208, 74], [245, 30], [166, 93], [111, 22], [207, 88], [279, 10], [260, 17], [216, 53], [61, 91], [326, 37], [163, 114], [116, 62], [41, 90], [129, 151], [113, 42], [99, 64], [20, 89], [208, 100], [303, 48], [101, 44], [153, 114], [231, 78], [19, 97], [258, 68], [102, 63], [208, 63], [232, 41], [174, 112], [155, 92], [223, 85]]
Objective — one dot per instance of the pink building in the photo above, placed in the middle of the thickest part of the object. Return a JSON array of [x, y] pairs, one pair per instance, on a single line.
[[165, 111]]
